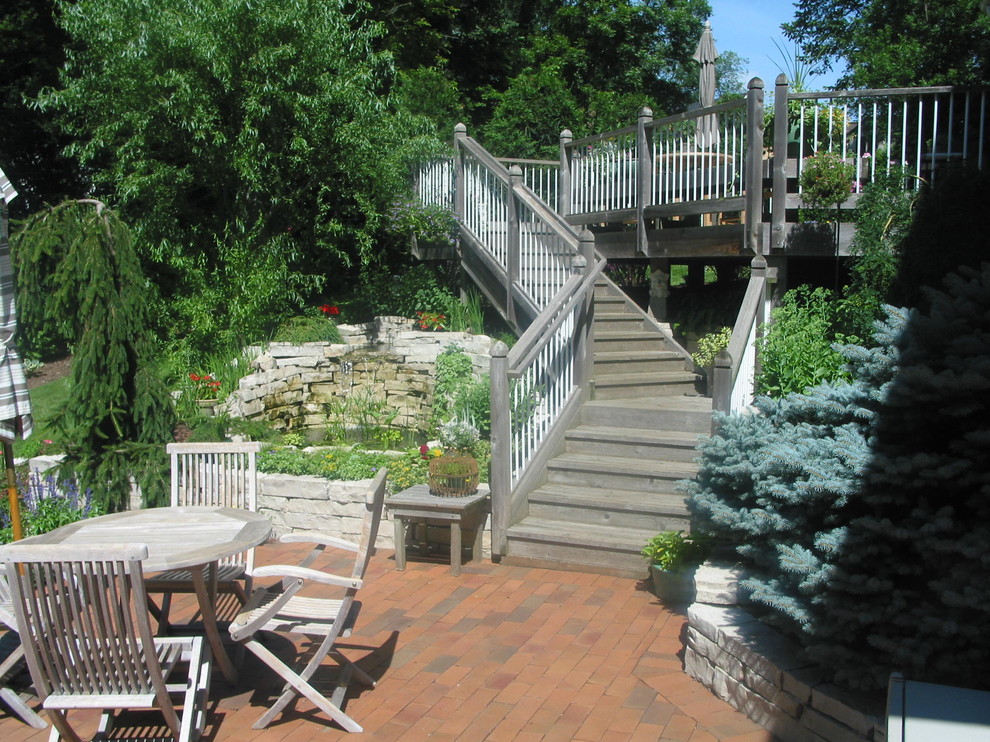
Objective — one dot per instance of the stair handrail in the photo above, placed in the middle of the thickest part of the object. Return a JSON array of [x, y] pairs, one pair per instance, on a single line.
[[537, 388]]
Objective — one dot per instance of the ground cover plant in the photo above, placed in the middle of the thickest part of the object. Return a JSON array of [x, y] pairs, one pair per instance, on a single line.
[[46, 504]]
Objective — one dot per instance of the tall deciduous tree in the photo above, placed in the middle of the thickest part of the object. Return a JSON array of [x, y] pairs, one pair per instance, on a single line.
[[895, 43], [247, 141]]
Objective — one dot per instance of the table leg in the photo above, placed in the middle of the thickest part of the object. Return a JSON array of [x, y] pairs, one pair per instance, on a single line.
[[400, 542], [455, 547], [479, 535], [208, 610]]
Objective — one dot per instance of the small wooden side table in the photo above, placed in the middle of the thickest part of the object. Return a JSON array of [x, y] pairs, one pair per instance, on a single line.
[[416, 503]]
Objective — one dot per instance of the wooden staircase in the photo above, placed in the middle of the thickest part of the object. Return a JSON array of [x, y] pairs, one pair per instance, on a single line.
[[612, 486]]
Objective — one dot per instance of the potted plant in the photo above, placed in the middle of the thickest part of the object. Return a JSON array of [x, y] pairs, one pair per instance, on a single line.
[[455, 473], [674, 557], [709, 346]]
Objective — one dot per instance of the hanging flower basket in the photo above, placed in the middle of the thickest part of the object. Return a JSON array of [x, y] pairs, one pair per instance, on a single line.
[[453, 475]]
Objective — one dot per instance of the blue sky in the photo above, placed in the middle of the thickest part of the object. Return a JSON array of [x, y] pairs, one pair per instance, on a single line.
[[749, 27]]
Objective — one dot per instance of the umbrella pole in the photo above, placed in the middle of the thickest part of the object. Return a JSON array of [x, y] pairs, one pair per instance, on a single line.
[[15, 505]]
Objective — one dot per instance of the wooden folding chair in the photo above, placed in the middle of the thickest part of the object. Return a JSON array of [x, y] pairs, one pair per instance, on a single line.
[[284, 608], [223, 474], [82, 615], [12, 663]]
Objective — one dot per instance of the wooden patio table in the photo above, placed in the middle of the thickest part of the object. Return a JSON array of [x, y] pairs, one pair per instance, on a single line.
[[184, 537]]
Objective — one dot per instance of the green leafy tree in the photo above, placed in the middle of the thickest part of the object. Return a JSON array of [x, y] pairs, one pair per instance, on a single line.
[[77, 261], [31, 54], [248, 141], [893, 43]]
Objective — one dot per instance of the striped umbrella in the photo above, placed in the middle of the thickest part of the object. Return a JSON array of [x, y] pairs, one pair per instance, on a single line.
[[15, 406]]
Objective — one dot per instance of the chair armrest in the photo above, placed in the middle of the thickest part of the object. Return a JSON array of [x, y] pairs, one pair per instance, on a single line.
[[313, 537], [288, 570]]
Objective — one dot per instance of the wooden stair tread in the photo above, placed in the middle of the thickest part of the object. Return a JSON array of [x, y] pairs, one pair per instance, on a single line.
[[630, 540], [631, 466], [645, 377], [672, 402], [611, 499], [646, 436], [636, 355]]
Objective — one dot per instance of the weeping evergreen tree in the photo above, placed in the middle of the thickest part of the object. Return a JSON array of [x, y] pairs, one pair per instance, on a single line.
[[76, 262]]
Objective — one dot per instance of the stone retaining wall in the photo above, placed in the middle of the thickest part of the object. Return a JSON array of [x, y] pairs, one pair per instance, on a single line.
[[386, 362], [761, 673]]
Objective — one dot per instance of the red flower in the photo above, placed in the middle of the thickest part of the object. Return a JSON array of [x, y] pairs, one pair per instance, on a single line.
[[424, 450], [329, 309], [194, 377]]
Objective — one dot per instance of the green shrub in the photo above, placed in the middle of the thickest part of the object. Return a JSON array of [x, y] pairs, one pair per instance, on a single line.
[[306, 329], [796, 351], [710, 345], [47, 503]]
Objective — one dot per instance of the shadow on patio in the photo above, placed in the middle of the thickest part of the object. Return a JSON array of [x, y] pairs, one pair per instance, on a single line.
[[499, 653]]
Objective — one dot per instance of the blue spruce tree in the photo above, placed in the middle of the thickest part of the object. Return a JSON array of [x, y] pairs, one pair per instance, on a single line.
[[910, 588], [777, 482]]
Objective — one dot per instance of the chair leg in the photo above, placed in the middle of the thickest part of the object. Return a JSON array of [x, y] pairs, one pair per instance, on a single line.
[[301, 687], [61, 728], [9, 695], [288, 693]]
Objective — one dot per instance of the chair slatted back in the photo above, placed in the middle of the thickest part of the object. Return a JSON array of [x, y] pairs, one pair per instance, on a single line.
[[83, 617], [217, 474]]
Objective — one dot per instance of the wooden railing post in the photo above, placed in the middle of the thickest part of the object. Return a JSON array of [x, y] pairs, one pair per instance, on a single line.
[[500, 476], [754, 164], [512, 240], [460, 133], [644, 173], [778, 203], [583, 340], [564, 174], [722, 384]]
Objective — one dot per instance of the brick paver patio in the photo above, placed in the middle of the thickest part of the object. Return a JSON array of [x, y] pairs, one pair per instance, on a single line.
[[500, 653]]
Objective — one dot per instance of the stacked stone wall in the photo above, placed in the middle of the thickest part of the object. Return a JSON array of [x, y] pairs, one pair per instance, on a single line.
[[764, 675], [387, 364]]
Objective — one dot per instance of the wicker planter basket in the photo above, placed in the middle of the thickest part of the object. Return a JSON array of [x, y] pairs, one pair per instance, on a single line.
[[453, 475]]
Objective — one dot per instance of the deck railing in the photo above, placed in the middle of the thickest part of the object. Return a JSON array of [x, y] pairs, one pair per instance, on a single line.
[[697, 162], [698, 155]]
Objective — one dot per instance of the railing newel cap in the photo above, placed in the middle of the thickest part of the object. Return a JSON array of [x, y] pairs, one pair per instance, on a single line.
[[756, 82], [499, 349], [460, 129], [781, 79], [567, 134]]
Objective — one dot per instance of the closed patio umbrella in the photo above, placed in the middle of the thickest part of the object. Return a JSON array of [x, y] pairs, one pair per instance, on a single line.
[[705, 55], [15, 406]]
